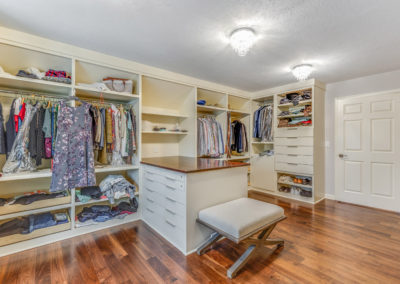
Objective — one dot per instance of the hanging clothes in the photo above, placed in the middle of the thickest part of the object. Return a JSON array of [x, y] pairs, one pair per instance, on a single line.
[[19, 159], [3, 146], [262, 123], [36, 136], [11, 134], [73, 164], [239, 137], [228, 135], [210, 139]]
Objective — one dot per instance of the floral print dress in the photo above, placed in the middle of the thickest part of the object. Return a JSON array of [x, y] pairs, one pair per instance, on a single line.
[[73, 164]]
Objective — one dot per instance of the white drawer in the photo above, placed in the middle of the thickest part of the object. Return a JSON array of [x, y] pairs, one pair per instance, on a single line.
[[294, 132], [294, 168], [170, 203], [295, 150], [294, 141], [173, 232], [294, 158], [163, 175], [151, 215], [176, 193], [174, 217]]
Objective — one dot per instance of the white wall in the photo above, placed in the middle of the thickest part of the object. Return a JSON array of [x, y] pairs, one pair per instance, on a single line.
[[363, 85]]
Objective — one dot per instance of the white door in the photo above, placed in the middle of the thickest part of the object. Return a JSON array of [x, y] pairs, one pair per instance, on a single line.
[[367, 150]]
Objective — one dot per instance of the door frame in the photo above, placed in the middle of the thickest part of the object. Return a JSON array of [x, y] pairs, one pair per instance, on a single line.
[[336, 137]]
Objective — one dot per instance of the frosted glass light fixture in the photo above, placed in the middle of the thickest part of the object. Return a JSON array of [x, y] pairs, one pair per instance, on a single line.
[[242, 40], [302, 71]]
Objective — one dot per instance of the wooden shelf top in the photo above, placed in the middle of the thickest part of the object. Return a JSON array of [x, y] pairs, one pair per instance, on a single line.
[[190, 165]]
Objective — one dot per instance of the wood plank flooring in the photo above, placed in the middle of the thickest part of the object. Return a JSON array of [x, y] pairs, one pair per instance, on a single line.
[[330, 242]]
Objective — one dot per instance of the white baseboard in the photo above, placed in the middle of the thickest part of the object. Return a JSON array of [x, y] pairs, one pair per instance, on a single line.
[[330, 196]]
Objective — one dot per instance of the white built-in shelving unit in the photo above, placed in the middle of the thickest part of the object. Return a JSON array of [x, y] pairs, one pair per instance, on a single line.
[[298, 150]]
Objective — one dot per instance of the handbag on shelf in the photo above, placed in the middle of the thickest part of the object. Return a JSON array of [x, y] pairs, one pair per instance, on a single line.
[[119, 85]]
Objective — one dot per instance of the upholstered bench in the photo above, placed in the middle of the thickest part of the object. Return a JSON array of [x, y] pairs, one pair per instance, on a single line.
[[239, 220]]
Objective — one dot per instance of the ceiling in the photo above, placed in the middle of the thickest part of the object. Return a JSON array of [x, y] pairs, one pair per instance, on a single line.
[[343, 39]]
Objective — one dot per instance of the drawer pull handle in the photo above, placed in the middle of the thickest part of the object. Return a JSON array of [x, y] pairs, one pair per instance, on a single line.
[[149, 179], [292, 155], [170, 211], [291, 137], [149, 172], [293, 164], [170, 178], [151, 200], [293, 128], [151, 211], [171, 187], [170, 199], [149, 189], [170, 223], [292, 146]]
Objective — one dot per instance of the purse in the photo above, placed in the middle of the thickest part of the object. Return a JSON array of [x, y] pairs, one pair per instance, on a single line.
[[119, 85]]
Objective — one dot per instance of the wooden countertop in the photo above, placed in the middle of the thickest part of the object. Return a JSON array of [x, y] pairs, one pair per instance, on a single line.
[[191, 165]]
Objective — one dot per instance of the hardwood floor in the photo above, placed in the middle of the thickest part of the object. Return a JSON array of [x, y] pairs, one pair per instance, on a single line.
[[331, 242]]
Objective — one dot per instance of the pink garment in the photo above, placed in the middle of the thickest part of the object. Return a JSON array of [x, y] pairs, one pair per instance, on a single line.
[[47, 147]]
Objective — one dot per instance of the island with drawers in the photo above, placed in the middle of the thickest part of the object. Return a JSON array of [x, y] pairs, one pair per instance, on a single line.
[[175, 189]]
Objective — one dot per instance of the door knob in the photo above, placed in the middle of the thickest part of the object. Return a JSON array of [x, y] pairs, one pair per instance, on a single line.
[[342, 156]]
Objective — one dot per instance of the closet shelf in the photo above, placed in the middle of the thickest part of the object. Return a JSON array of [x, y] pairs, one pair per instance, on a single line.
[[81, 228], [238, 113], [238, 158], [47, 173], [38, 85], [210, 109], [305, 102], [165, 132], [295, 184], [107, 95], [164, 114], [294, 115], [35, 211], [100, 200], [262, 143]]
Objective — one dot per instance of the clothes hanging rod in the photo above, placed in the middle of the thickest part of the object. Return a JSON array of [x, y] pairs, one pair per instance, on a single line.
[[30, 93]]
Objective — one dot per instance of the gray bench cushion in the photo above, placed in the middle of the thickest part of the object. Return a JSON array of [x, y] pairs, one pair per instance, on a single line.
[[241, 216]]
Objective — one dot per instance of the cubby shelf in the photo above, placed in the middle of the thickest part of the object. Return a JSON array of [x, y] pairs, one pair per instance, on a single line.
[[296, 184], [107, 95], [165, 132], [47, 173], [305, 102], [21, 83], [238, 113], [169, 114], [35, 211], [210, 109]]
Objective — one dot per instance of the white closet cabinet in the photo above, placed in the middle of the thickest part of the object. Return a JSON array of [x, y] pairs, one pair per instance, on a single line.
[[298, 149]]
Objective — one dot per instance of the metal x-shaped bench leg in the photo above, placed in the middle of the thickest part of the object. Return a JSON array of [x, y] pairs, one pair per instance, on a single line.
[[255, 244]]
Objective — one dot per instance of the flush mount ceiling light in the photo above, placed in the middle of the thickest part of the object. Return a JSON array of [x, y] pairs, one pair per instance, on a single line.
[[242, 40], [302, 71]]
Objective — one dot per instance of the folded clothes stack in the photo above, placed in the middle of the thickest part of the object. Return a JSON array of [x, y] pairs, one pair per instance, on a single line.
[[59, 76], [28, 224], [31, 197], [102, 213], [116, 186]]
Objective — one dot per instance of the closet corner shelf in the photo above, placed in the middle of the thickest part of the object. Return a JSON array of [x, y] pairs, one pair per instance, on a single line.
[[291, 104], [238, 113], [294, 115], [108, 95], [33, 85], [47, 173], [210, 109], [79, 203], [165, 132], [35, 211], [164, 114], [295, 184]]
